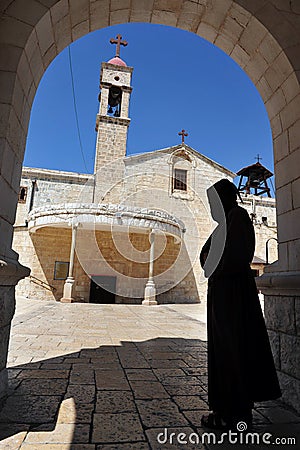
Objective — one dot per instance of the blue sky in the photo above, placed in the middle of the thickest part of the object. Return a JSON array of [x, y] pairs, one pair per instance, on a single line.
[[179, 81]]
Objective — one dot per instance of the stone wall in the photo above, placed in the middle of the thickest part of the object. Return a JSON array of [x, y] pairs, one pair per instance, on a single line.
[[111, 142], [148, 180], [283, 321], [131, 273], [52, 187], [7, 309], [263, 207], [41, 249]]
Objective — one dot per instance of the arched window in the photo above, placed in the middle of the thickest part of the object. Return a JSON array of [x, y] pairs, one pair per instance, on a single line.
[[182, 174], [114, 101], [22, 194]]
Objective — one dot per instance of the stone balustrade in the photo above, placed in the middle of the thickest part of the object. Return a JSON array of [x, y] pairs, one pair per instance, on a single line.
[[104, 214]]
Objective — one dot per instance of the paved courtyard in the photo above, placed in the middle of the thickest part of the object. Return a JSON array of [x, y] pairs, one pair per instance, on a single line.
[[86, 376]]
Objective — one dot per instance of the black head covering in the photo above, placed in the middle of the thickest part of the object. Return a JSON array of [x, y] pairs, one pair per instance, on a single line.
[[227, 193]]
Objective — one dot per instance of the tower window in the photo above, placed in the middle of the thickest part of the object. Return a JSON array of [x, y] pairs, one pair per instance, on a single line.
[[22, 194], [180, 180], [114, 101]]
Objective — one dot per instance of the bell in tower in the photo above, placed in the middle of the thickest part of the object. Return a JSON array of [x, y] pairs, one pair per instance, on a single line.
[[253, 179], [114, 101]]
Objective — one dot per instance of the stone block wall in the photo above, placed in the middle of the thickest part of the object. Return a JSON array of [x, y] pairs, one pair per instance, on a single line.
[[109, 71], [41, 249], [111, 143], [186, 291], [282, 315], [154, 169], [264, 230], [148, 180], [7, 309], [52, 187]]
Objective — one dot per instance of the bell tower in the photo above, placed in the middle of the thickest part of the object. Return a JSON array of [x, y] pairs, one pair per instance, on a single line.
[[112, 120], [256, 179]]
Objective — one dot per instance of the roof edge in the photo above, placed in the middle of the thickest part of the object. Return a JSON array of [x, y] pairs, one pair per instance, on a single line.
[[53, 172], [178, 147]]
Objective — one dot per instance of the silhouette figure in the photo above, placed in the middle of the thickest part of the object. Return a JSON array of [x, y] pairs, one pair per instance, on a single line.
[[241, 369]]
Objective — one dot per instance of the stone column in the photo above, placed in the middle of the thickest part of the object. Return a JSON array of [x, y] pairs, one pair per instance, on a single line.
[[68, 286], [150, 290], [11, 271], [104, 101], [282, 314], [125, 103], [280, 284]]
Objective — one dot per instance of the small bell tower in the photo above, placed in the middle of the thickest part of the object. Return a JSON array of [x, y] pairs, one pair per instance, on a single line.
[[112, 120], [255, 181]]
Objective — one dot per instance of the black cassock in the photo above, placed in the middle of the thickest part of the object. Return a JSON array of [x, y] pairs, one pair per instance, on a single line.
[[240, 362]]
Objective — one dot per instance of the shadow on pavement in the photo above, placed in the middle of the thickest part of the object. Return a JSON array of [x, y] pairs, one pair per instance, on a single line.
[[119, 397]]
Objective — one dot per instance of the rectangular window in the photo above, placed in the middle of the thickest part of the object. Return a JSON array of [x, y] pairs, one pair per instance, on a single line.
[[61, 270], [22, 194], [180, 180]]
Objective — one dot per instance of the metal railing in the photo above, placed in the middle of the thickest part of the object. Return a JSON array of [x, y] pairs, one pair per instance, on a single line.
[[42, 283]]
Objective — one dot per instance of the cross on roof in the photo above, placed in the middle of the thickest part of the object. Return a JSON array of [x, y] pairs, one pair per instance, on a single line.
[[183, 133], [258, 158], [118, 41]]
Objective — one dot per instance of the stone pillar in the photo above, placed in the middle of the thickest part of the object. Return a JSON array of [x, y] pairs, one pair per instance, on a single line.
[[280, 282], [150, 290], [10, 273], [125, 102], [104, 101], [282, 313], [68, 286]]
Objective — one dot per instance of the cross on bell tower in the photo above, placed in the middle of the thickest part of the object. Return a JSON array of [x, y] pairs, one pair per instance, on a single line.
[[118, 41]]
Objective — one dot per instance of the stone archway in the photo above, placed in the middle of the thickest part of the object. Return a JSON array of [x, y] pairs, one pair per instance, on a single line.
[[262, 36]]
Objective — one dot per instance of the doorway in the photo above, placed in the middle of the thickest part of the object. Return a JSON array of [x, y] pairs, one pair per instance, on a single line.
[[102, 290]]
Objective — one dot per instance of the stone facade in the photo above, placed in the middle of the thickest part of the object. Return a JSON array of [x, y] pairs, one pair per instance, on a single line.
[[51, 187], [146, 182], [265, 225]]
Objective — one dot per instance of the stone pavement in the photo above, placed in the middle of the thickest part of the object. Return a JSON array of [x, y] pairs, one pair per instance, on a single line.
[[108, 377]]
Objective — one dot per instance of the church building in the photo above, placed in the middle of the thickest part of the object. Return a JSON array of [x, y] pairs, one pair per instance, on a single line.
[[132, 231]]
